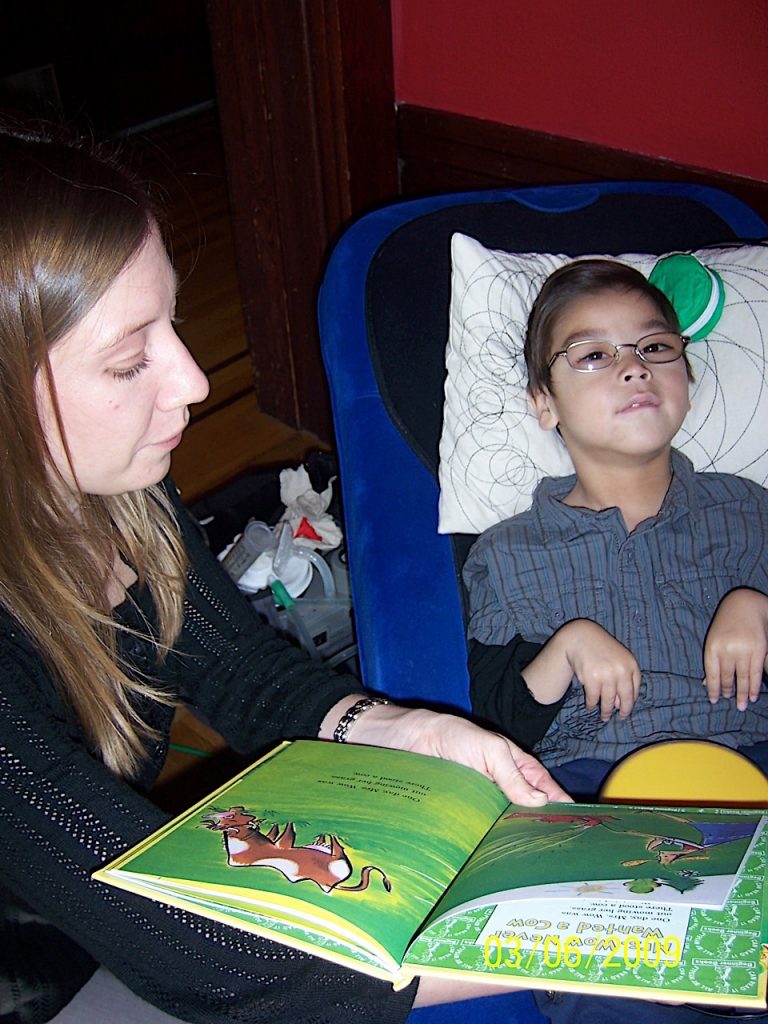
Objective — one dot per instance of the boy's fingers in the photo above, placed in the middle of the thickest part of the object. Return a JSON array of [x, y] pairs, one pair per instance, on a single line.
[[716, 674], [628, 690], [628, 700], [591, 696], [749, 677], [740, 676], [624, 698], [728, 684], [712, 683], [756, 683], [607, 697]]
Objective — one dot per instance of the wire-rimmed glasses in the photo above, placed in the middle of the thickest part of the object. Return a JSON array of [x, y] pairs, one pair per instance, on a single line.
[[590, 355]]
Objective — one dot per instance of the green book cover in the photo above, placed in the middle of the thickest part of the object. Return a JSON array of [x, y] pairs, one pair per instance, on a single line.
[[662, 903], [398, 864]]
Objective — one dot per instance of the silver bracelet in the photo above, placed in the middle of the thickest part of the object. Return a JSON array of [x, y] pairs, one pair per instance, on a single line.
[[352, 714]]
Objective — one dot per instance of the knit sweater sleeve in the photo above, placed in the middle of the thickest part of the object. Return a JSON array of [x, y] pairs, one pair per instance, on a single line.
[[63, 814]]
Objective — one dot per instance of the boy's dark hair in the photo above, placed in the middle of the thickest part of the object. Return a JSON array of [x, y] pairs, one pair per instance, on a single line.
[[575, 281]]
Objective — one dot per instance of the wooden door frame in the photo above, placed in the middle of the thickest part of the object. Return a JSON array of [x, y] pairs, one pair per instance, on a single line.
[[306, 108]]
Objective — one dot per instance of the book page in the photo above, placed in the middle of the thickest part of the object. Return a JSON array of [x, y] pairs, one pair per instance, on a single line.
[[685, 856], [349, 838], [640, 945]]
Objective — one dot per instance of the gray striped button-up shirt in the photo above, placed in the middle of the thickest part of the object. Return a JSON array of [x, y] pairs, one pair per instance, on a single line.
[[655, 590]]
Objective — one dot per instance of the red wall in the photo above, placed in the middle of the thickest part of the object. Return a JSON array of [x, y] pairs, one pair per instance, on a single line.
[[681, 79]]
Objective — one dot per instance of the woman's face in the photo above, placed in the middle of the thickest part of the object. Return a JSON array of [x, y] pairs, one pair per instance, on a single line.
[[124, 381]]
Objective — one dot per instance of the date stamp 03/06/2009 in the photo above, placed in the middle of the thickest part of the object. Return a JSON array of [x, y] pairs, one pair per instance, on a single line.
[[554, 951]]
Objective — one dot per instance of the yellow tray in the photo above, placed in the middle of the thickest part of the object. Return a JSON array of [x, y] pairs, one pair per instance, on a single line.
[[686, 772]]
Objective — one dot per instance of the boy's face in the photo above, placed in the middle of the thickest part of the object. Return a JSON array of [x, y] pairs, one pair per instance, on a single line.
[[630, 409]]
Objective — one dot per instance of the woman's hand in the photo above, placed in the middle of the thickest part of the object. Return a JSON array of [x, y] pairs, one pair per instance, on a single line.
[[520, 776]]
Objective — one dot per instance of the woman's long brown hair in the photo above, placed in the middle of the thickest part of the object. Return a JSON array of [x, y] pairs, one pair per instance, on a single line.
[[70, 221]]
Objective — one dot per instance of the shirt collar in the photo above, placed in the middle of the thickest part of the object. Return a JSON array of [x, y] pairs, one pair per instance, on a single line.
[[679, 500]]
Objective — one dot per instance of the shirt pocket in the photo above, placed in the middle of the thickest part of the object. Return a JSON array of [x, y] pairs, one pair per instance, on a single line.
[[538, 617], [687, 600], [694, 590]]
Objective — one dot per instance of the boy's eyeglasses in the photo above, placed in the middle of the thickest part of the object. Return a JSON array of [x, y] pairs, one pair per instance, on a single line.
[[587, 356]]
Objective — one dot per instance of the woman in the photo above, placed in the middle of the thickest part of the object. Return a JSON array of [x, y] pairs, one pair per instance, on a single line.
[[112, 611]]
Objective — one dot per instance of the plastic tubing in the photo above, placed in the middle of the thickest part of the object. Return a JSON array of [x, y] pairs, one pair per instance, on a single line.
[[288, 603], [322, 567], [286, 549], [303, 633]]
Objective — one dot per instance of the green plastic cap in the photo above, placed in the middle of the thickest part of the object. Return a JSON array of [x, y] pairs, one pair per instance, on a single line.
[[696, 292]]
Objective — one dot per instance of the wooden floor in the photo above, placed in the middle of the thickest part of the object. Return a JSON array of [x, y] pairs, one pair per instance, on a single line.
[[227, 435], [199, 760]]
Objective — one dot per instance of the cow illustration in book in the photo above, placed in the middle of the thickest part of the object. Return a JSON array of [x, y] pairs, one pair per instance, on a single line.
[[324, 862]]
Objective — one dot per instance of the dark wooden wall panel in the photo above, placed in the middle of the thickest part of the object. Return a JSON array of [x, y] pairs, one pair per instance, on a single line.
[[306, 107], [441, 151]]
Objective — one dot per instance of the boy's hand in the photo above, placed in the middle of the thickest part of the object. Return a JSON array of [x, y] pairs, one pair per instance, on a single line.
[[608, 672], [736, 647]]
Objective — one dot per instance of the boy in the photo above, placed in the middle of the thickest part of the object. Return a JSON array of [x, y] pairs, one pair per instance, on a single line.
[[637, 581]]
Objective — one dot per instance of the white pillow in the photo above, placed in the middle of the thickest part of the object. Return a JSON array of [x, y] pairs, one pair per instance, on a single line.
[[492, 450]]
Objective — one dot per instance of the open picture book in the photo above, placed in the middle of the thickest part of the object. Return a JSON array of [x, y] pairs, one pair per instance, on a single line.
[[397, 865]]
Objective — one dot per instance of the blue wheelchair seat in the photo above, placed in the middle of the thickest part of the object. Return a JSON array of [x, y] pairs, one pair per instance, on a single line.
[[383, 317]]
